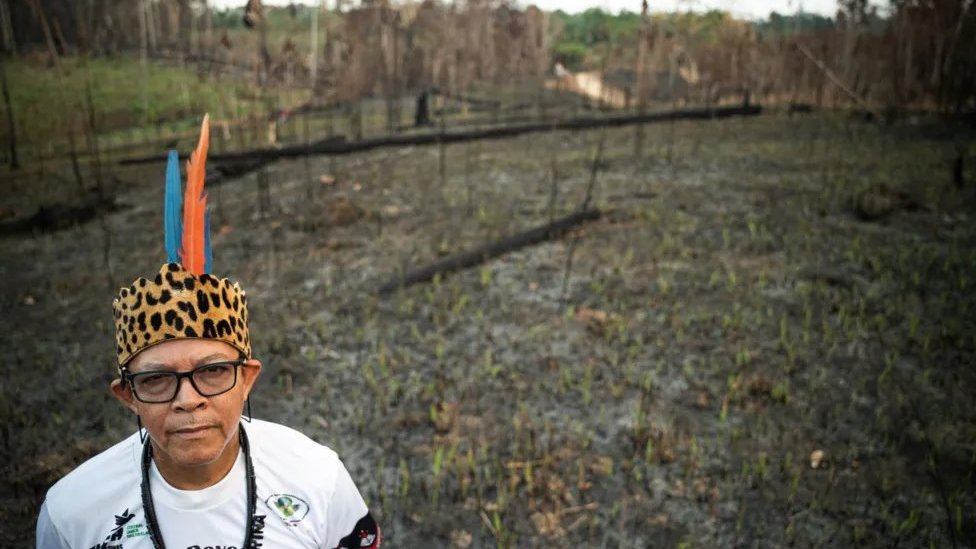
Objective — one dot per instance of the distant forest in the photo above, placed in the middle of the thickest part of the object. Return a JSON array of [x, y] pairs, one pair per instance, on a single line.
[[907, 54], [582, 34]]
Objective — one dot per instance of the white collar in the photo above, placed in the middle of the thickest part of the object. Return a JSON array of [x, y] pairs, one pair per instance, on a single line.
[[232, 485]]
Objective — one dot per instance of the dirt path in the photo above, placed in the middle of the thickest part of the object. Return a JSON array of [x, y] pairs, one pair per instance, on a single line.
[[590, 84]]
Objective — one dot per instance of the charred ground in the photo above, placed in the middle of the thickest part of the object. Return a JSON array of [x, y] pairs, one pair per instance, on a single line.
[[757, 290]]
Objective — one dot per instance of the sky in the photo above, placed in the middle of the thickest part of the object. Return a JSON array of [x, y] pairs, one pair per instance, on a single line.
[[753, 9]]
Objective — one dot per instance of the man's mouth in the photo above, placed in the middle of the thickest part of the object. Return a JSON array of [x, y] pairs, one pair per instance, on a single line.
[[191, 431]]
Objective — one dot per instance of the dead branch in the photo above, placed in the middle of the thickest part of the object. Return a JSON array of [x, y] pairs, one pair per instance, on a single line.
[[838, 82], [594, 171], [484, 252], [61, 216]]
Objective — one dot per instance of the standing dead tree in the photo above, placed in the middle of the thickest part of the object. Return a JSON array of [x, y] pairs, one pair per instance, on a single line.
[[7, 29], [641, 70], [70, 110], [382, 50], [11, 126], [254, 18]]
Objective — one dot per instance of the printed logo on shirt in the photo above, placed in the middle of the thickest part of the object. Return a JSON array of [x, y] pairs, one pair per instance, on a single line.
[[136, 531], [116, 534], [292, 509]]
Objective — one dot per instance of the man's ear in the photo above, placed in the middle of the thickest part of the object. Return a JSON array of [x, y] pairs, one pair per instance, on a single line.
[[250, 373], [123, 394]]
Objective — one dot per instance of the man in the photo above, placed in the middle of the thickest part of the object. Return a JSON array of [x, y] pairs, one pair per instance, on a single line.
[[195, 476]]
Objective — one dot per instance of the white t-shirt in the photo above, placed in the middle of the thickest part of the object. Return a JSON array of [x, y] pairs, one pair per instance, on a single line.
[[304, 493]]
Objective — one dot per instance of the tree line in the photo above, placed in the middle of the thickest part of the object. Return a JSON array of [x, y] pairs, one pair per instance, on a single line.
[[905, 54]]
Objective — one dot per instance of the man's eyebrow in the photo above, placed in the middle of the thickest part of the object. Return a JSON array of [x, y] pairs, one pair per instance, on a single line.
[[211, 358], [156, 366]]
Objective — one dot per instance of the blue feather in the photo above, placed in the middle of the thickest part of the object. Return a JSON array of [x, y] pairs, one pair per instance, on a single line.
[[207, 250], [173, 212]]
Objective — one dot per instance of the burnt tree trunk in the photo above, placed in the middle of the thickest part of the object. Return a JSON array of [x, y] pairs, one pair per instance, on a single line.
[[11, 126], [422, 114], [334, 147], [484, 252]]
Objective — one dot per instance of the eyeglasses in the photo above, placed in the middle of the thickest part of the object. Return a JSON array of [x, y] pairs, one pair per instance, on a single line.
[[158, 387]]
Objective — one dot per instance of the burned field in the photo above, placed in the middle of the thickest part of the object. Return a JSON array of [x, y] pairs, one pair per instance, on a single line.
[[766, 340]]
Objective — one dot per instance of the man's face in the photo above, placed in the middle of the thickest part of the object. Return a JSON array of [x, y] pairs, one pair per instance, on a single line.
[[192, 430]]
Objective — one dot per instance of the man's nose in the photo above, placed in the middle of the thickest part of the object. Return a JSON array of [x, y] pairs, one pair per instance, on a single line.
[[187, 396]]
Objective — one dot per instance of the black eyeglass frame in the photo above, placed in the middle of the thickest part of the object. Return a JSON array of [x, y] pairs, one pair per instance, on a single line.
[[129, 378]]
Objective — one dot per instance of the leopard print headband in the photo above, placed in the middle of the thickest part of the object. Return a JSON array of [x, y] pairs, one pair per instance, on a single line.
[[179, 305]]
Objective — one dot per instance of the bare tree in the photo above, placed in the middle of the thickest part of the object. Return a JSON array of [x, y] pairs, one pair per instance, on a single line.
[[641, 71], [11, 126], [7, 29]]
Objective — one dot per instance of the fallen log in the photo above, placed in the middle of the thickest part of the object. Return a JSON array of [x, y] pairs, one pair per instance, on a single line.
[[801, 108], [227, 171], [582, 123], [490, 250], [60, 216], [231, 170]]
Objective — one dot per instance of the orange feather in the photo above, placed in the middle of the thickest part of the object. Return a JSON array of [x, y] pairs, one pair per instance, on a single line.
[[195, 205]]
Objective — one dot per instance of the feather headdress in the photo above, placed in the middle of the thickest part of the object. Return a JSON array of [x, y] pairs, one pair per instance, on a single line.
[[173, 226], [183, 300], [196, 240]]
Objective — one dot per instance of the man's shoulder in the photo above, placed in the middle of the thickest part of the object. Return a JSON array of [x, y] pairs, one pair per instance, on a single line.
[[284, 442], [285, 457], [102, 478]]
